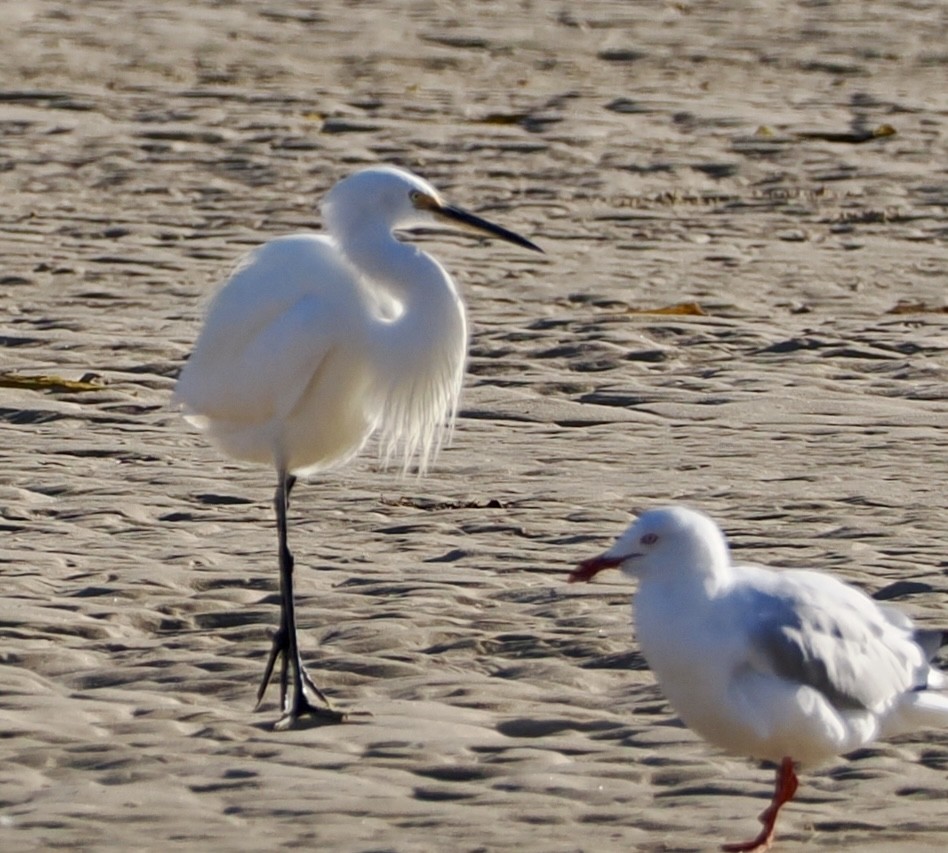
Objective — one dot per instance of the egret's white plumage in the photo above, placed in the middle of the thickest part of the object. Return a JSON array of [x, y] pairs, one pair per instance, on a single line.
[[789, 666], [317, 342]]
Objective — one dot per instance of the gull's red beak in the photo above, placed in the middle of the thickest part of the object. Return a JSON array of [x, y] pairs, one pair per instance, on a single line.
[[588, 569]]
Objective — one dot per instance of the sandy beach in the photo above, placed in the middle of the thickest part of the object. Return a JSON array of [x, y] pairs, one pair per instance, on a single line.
[[782, 166]]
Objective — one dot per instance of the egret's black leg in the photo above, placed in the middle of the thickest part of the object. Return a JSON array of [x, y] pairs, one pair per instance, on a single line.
[[293, 703]]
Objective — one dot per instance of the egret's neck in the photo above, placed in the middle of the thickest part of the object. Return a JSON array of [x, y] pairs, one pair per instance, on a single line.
[[417, 348], [429, 309]]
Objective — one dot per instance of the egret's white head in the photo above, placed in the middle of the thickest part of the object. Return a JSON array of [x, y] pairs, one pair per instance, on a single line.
[[385, 198], [661, 542]]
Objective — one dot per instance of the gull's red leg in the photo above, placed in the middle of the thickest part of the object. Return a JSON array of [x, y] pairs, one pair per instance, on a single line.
[[784, 789]]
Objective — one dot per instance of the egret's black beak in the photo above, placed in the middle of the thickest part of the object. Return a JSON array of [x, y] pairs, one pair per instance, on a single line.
[[458, 216]]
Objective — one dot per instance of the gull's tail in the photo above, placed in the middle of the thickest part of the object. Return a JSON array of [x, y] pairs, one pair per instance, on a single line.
[[925, 707]]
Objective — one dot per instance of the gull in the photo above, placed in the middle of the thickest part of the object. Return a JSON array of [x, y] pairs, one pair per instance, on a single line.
[[791, 667]]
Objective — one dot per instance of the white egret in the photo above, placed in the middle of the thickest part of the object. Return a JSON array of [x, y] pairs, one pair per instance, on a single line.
[[783, 666], [317, 342]]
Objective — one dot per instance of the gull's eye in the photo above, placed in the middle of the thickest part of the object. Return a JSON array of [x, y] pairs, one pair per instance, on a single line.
[[649, 538]]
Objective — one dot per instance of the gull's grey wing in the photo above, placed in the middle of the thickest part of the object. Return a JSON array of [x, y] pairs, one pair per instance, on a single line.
[[814, 630], [931, 640]]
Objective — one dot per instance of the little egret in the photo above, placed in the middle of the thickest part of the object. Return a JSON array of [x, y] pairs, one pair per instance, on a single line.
[[783, 666], [316, 342]]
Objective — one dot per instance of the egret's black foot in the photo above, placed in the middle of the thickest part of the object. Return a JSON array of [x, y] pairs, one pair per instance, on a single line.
[[297, 709], [305, 715]]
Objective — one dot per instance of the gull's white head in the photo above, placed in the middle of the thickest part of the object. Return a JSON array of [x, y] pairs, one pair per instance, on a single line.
[[380, 199], [662, 542]]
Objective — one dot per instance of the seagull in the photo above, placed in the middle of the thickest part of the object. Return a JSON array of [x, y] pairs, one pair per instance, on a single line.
[[791, 667]]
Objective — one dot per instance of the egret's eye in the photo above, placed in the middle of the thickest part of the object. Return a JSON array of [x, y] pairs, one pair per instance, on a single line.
[[422, 201], [649, 538]]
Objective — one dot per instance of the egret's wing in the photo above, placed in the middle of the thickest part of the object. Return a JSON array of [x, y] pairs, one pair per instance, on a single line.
[[266, 377], [267, 332], [814, 630]]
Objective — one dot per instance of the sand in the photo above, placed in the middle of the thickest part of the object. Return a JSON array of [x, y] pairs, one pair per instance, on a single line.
[[661, 153]]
